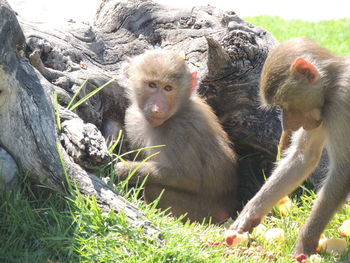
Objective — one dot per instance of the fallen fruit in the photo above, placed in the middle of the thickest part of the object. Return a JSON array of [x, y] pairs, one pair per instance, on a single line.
[[233, 238], [315, 258], [274, 235], [300, 257], [284, 205], [216, 243], [344, 229], [259, 230], [332, 245]]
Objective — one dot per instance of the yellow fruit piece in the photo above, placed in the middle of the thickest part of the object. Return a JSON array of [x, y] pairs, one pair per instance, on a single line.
[[284, 205], [284, 200], [332, 245], [259, 230], [344, 229], [274, 235], [233, 238], [315, 258]]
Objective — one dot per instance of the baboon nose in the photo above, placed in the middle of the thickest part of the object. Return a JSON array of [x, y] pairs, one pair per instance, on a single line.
[[156, 111]]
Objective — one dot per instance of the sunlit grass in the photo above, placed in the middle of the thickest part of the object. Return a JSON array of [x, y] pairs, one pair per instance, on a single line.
[[42, 225], [332, 34]]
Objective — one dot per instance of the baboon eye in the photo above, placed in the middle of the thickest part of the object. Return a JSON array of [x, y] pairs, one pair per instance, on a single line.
[[152, 85], [168, 88]]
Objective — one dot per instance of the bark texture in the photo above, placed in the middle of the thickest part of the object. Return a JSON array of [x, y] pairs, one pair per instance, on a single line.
[[29, 133], [36, 60]]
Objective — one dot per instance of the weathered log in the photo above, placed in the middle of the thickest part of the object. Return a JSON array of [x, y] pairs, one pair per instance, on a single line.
[[28, 129], [83, 141], [9, 173], [227, 52]]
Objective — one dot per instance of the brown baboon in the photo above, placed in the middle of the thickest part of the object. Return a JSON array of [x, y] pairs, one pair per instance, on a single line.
[[312, 87], [197, 166]]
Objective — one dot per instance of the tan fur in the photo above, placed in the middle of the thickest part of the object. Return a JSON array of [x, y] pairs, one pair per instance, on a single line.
[[279, 86], [196, 167], [285, 140]]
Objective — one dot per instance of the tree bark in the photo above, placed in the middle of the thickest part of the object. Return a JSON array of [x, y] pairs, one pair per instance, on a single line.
[[28, 128], [227, 52]]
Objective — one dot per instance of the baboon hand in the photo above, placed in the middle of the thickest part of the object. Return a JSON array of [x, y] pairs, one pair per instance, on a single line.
[[246, 221]]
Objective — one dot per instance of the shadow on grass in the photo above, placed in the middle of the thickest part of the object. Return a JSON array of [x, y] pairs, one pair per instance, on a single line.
[[36, 225]]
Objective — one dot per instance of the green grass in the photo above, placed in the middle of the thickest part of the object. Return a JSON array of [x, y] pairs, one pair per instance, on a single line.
[[38, 225], [332, 34], [45, 226]]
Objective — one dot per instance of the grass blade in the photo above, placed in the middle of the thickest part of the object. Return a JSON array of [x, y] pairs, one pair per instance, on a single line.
[[76, 94], [92, 93]]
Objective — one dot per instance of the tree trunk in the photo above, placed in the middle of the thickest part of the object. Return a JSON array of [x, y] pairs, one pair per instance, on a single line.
[[227, 53], [28, 128]]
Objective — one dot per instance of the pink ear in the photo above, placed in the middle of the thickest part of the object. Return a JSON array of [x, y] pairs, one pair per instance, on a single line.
[[306, 69], [193, 81], [125, 67]]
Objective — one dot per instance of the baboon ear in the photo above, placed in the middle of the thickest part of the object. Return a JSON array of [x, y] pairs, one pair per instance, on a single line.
[[125, 67], [193, 82], [306, 69]]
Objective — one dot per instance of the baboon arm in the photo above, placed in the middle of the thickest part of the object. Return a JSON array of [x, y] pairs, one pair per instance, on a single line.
[[157, 174], [331, 196], [302, 157], [300, 161]]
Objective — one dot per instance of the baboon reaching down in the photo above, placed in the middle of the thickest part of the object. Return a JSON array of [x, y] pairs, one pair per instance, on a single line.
[[312, 87]]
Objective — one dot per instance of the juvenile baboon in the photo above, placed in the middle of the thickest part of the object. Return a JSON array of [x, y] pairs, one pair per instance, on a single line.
[[312, 87], [197, 166]]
